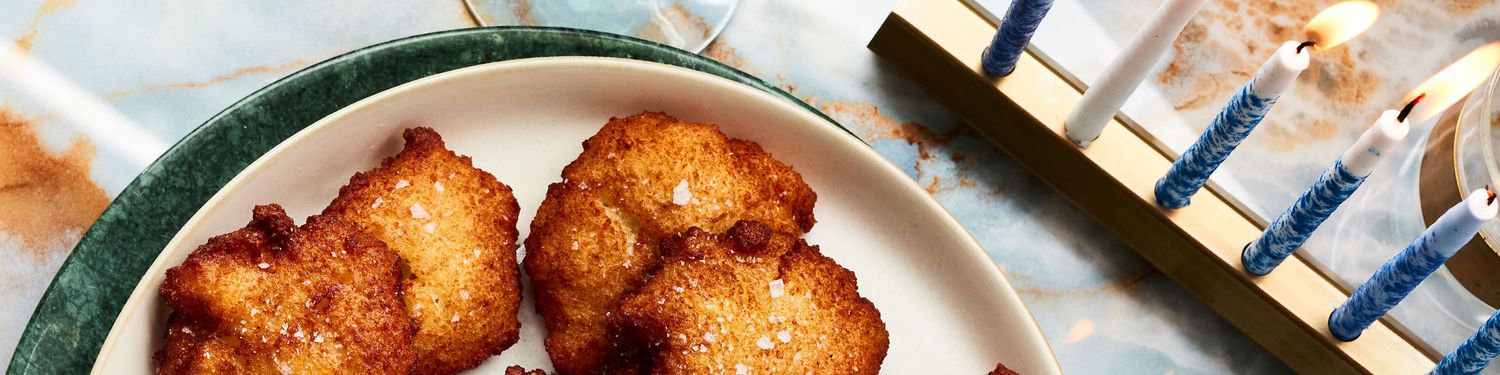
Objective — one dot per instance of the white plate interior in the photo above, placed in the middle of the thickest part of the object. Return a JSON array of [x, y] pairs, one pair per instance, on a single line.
[[946, 305]]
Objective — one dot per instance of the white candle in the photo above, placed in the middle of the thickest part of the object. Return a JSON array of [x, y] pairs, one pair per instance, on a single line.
[[1400, 275], [1362, 158], [1103, 99], [1292, 227], [1243, 112], [1281, 71], [1289, 230]]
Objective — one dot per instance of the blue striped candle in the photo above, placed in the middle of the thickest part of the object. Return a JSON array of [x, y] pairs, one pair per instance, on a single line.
[[1287, 232], [1290, 229], [1020, 22], [1400, 275], [1243, 112], [1474, 354]]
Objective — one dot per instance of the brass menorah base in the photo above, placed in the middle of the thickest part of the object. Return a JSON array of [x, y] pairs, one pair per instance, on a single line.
[[938, 44]]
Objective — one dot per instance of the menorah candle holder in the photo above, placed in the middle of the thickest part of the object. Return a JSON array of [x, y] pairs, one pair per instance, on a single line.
[[938, 44], [1461, 153]]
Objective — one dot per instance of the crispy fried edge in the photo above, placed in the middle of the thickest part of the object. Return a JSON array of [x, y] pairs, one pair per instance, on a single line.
[[269, 228], [422, 143], [622, 356], [518, 370], [753, 244]]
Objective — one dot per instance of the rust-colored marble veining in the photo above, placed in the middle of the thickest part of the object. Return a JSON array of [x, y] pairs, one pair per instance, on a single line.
[[43, 195], [866, 120], [691, 25], [522, 10], [1302, 129], [1202, 87], [720, 51], [29, 33], [1121, 284], [1193, 33], [1463, 7], [1204, 72], [1337, 78], [233, 75]]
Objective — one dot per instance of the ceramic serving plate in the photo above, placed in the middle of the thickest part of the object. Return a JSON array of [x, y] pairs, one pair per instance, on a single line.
[[946, 305]]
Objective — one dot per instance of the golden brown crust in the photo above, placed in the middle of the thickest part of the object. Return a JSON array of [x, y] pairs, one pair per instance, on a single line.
[[747, 302], [1000, 369], [518, 370], [456, 227], [640, 178], [273, 298]]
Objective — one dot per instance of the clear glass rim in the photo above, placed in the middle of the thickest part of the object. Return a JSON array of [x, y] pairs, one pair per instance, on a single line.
[[713, 33], [1481, 103], [1485, 112]]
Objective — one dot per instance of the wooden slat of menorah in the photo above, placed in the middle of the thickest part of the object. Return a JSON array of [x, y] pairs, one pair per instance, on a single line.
[[938, 43]]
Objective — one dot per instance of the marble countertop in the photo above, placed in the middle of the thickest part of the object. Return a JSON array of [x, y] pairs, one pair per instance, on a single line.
[[165, 67]]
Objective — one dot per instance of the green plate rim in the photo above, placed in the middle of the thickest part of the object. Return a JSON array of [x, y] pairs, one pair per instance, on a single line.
[[79, 307]]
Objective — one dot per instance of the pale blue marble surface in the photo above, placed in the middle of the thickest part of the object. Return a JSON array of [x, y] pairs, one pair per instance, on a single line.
[[171, 65]]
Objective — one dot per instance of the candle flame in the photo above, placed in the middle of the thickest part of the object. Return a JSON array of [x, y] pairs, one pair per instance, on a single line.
[[1451, 84], [1340, 22]]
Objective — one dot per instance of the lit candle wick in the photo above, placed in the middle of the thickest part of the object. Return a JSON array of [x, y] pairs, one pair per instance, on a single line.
[[1491, 193], [1305, 45], [1407, 109]]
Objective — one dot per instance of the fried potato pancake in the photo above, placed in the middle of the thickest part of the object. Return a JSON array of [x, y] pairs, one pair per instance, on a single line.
[[518, 370], [1000, 369], [274, 298], [641, 178], [754, 301], [455, 225]]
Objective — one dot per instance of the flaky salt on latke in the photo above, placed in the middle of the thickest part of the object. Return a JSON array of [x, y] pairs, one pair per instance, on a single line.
[[275, 298], [455, 225], [754, 301], [641, 178]]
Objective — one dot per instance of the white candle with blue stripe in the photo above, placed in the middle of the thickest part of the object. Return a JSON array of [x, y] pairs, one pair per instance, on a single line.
[[1331, 27], [1230, 127], [1400, 275], [1289, 230], [1474, 354], [1015, 31]]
